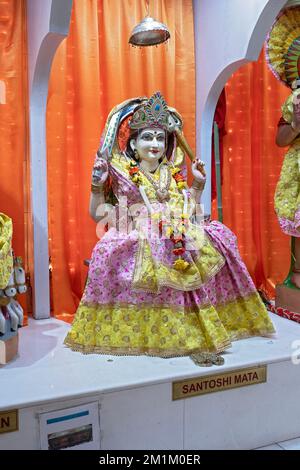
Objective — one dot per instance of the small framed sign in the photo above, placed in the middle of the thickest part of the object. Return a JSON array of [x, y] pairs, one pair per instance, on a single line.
[[218, 382], [9, 421]]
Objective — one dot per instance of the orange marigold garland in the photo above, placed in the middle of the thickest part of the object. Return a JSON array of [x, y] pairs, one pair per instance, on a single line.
[[179, 244], [179, 178], [134, 172]]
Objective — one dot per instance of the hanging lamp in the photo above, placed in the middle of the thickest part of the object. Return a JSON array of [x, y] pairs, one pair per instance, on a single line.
[[149, 32]]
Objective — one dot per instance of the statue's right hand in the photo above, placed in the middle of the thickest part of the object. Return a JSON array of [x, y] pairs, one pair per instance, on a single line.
[[100, 172]]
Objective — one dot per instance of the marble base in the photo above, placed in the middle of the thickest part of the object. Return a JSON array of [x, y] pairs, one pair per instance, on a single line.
[[136, 410]]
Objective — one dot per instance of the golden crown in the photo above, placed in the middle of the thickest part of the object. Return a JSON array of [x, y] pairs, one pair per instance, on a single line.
[[152, 113]]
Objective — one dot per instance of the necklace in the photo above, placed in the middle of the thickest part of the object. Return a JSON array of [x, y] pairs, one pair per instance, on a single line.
[[161, 189]]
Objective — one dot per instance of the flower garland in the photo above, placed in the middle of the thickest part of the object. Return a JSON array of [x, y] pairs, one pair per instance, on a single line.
[[179, 178], [134, 172], [179, 245], [177, 238]]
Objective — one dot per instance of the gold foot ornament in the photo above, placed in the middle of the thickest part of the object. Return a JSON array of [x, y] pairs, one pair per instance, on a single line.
[[207, 359]]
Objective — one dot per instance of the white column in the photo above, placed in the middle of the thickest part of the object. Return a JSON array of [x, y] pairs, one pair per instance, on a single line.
[[228, 34], [48, 24]]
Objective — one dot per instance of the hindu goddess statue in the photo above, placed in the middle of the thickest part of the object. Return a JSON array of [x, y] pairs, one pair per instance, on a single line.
[[283, 56], [161, 281]]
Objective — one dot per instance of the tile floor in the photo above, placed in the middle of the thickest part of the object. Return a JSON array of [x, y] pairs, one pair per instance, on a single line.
[[293, 444]]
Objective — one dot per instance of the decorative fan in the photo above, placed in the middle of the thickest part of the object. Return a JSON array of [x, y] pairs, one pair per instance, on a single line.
[[292, 61], [283, 46]]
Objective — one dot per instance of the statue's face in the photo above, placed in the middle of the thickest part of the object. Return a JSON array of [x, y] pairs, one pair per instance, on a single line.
[[150, 143]]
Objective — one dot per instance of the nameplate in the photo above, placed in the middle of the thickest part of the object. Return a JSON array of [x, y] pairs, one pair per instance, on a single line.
[[9, 421], [218, 382]]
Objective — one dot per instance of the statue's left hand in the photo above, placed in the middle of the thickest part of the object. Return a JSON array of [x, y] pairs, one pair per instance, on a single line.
[[100, 172], [198, 171]]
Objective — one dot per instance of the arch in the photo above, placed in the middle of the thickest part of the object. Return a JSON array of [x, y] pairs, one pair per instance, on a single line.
[[232, 33], [48, 25]]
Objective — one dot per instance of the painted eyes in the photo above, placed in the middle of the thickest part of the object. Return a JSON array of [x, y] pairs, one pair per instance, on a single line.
[[149, 138]]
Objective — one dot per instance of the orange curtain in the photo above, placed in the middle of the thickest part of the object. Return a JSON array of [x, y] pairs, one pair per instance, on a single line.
[[14, 119], [252, 164], [95, 69]]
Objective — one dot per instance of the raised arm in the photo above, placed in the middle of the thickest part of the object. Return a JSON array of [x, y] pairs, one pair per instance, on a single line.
[[97, 200], [287, 133], [199, 181]]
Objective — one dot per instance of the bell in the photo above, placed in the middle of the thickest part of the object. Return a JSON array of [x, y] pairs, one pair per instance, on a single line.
[[149, 32]]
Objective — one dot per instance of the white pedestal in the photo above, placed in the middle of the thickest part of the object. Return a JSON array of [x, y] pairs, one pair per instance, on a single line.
[[135, 393]]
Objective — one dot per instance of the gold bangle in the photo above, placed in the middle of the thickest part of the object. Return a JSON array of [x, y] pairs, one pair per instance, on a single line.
[[198, 185]]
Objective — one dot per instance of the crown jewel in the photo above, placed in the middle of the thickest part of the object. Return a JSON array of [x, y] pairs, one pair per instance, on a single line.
[[153, 113]]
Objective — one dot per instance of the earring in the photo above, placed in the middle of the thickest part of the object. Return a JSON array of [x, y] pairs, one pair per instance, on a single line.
[[136, 155]]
